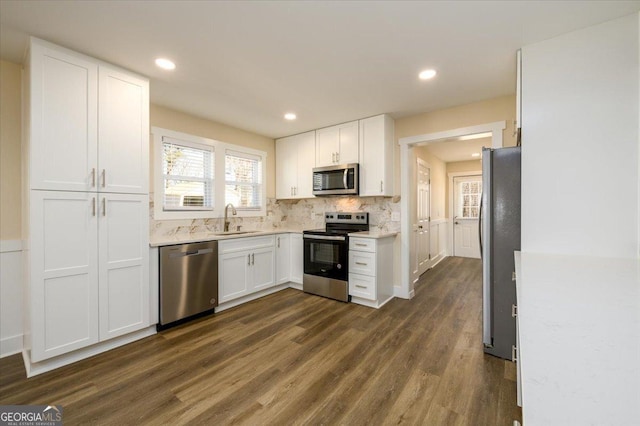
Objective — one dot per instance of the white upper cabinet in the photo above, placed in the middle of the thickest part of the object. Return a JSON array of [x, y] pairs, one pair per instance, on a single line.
[[376, 156], [295, 159], [63, 100], [89, 123], [123, 132], [337, 144]]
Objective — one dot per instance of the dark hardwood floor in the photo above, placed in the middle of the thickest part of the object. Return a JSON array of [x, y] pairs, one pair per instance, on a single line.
[[294, 358]]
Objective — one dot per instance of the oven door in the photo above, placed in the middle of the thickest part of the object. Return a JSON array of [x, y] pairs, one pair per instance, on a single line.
[[326, 256]]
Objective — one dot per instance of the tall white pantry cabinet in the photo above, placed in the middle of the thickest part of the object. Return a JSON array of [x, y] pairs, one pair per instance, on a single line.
[[86, 165]]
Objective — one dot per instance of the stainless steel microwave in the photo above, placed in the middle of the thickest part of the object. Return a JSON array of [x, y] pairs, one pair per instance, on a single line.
[[336, 180]]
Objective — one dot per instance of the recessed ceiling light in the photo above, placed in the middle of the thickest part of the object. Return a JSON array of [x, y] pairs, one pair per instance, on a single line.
[[290, 116], [475, 154], [165, 64], [427, 74]]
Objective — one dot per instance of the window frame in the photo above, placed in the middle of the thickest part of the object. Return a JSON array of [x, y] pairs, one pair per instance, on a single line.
[[219, 179]]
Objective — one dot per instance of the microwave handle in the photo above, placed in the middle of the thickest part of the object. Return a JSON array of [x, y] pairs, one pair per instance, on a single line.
[[344, 178]]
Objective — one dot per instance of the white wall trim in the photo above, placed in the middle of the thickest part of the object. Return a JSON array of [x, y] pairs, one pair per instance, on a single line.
[[10, 345], [406, 166], [7, 246], [451, 176]]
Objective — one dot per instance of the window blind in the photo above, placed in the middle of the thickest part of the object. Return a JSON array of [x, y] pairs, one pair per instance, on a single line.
[[243, 180], [188, 170]]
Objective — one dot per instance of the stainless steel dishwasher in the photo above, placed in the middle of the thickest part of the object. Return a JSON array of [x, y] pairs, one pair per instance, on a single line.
[[188, 281]]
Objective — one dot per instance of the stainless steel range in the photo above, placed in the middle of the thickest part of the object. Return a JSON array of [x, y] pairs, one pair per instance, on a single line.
[[326, 254]]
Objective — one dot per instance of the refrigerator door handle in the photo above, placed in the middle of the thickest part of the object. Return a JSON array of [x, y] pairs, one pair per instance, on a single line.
[[487, 276], [480, 226]]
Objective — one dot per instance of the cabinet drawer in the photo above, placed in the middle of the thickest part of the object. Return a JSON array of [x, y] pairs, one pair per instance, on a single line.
[[361, 262], [245, 243], [362, 286], [362, 244]]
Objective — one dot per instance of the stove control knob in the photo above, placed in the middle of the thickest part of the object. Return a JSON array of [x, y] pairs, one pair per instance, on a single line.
[[339, 266]]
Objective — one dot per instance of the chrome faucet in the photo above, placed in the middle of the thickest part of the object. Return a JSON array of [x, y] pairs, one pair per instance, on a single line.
[[226, 210]]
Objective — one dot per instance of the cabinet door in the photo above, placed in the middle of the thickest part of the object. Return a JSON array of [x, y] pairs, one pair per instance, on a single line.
[[63, 99], [263, 262], [283, 258], [297, 258], [286, 167], [306, 144], [327, 146], [347, 143], [123, 138], [123, 234], [376, 156], [64, 272], [233, 275]]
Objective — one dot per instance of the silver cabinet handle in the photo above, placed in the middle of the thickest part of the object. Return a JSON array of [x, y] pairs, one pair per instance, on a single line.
[[381, 186], [278, 242], [360, 245], [104, 178], [104, 207], [333, 157], [253, 259], [361, 264], [248, 260], [93, 177], [360, 286], [295, 190], [337, 157], [93, 206]]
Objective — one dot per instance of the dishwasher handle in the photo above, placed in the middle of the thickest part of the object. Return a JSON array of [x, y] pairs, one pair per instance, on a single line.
[[190, 253]]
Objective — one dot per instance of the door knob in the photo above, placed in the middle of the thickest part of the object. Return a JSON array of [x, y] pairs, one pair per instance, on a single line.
[[457, 223]]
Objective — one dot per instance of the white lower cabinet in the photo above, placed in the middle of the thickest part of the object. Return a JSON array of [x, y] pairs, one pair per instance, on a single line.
[[297, 258], [371, 270], [283, 258], [89, 269], [245, 266], [123, 264]]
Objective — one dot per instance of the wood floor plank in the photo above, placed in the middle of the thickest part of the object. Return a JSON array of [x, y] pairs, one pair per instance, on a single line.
[[294, 358]]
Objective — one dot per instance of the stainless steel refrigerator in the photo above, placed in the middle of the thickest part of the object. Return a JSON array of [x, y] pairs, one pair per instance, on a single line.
[[499, 238]]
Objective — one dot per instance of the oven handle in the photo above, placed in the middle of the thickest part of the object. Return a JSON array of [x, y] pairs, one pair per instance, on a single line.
[[323, 237]]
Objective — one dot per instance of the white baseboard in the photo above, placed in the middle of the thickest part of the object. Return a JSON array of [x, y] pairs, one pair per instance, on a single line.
[[403, 293], [33, 369], [244, 299], [10, 345]]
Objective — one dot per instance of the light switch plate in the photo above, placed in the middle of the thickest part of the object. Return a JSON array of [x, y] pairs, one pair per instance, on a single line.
[[395, 216]]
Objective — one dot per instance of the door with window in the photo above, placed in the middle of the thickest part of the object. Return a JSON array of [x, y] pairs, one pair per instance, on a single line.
[[467, 192]]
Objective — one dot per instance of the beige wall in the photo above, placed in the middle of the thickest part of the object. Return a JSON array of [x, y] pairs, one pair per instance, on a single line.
[[488, 111], [175, 120], [10, 145], [460, 167]]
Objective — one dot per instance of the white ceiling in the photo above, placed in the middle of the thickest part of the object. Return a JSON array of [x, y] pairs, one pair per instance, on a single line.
[[247, 63], [450, 150]]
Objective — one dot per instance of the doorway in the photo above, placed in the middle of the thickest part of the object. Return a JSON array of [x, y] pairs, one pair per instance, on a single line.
[[467, 191], [408, 166]]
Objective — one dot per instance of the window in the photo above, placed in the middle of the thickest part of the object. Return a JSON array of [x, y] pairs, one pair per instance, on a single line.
[[469, 199], [188, 171], [243, 180], [192, 182]]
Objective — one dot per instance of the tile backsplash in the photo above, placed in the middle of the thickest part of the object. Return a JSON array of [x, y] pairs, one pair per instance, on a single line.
[[288, 214]]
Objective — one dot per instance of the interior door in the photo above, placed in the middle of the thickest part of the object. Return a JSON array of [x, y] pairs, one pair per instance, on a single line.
[[467, 192], [423, 212]]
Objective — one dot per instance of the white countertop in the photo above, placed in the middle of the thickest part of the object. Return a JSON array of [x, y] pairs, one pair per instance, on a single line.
[[183, 238], [579, 322], [373, 234]]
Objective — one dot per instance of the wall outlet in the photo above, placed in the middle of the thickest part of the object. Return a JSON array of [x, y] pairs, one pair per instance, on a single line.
[[395, 216]]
